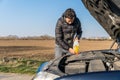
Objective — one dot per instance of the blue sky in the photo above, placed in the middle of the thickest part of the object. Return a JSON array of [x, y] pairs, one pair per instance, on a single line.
[[39, 17]]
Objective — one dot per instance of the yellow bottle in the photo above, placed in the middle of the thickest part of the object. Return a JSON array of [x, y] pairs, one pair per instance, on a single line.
[[76, 47]]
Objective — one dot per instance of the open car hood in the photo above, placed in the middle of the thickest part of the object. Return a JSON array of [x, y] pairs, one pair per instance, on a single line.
[[107, 13]]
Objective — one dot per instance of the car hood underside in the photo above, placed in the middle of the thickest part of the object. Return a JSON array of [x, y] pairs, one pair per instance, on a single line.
[[107, 13]]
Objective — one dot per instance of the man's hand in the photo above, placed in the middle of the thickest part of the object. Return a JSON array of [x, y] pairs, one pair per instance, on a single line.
[[71, 51]]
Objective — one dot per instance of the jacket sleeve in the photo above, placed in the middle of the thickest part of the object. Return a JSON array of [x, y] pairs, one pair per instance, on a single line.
[[59, 35], [79, 30]]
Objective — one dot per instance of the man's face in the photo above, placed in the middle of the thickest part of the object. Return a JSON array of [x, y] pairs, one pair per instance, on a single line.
[[69, 21]]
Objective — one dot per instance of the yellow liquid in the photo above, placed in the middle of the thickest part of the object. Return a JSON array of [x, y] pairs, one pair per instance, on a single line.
[[76, 49]]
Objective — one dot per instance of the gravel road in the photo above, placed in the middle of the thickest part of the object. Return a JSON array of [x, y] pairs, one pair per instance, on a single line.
[[12, 76]]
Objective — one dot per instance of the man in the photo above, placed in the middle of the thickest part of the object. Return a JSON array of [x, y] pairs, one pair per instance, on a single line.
[[68, 28]]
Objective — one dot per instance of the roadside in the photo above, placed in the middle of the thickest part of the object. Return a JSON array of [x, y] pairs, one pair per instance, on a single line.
[[13, 76]]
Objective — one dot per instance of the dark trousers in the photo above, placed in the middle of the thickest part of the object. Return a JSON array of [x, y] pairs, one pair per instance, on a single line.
[[59, 51]]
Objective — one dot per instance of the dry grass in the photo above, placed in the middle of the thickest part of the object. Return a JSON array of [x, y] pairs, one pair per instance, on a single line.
[[86, 45], [43, 49]]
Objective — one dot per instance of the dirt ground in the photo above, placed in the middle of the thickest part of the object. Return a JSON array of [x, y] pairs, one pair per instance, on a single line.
[[12, 76], [44, 48]]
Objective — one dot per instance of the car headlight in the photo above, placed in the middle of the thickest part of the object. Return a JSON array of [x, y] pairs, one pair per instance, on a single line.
[[45, 76]]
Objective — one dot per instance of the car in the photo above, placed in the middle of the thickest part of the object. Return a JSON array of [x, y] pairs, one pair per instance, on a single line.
[[94, 64]]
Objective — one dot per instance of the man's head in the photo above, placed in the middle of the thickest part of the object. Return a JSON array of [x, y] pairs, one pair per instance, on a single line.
[[69, 16]]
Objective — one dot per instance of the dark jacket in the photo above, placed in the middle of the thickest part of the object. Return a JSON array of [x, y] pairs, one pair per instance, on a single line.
[[65, 33]]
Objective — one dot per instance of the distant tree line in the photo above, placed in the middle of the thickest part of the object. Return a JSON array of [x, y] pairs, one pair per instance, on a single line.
[[46, 37], [14, 37], [97, 38]]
